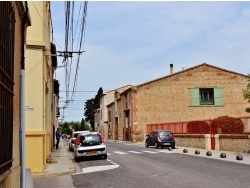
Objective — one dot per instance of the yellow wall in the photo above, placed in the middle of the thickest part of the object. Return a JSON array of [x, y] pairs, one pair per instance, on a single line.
[[38, 87], [34, 151]]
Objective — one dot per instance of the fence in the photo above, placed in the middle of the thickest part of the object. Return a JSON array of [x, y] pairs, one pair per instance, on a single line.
[[201, 128]]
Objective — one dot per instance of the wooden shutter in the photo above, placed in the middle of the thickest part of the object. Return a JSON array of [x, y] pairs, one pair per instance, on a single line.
[[218, 97], [195, 98]]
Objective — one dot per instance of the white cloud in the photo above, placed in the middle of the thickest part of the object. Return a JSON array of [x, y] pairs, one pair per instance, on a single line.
[[134, 42]]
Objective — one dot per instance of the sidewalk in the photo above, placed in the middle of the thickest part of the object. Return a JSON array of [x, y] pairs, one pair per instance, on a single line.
[[59, 163], [230, 156], [58, 169]]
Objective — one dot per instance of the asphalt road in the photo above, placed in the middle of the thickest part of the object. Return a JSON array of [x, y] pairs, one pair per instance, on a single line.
[[133, 166]]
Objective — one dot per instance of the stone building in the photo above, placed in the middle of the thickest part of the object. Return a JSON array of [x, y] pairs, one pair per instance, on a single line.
[[101, 115], [197, 93]]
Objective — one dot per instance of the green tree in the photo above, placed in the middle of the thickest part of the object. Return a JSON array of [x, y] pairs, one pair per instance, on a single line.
[[67, 131], [246, 93], [91, 105], [89, 112], [97, 98], [76, 127]]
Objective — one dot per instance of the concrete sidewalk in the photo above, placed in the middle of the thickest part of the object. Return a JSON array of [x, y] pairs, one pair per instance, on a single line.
[[230, 156], [58, 169], [59, 163]]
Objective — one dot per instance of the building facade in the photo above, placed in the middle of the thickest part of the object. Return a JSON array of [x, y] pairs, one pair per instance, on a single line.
[[39, 87], [15, 19], [197, 93], [101, 115]]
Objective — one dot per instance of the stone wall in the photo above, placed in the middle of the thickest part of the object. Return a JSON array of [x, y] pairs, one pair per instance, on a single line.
[[223, 142], [236, 143], [196, 141]]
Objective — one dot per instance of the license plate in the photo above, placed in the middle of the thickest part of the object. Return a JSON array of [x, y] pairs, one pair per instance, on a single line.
[[91, 153], [166, 144]]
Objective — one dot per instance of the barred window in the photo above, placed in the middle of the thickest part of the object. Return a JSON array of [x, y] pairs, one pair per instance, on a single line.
[[7, 31]]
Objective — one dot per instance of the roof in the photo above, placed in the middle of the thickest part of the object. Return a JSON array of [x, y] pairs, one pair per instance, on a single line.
[[191, 68]]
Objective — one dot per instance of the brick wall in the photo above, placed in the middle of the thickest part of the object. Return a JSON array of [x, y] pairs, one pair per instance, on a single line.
[[168, 99]]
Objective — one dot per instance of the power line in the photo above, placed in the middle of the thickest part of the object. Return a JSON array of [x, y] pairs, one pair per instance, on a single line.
[[84, 91]]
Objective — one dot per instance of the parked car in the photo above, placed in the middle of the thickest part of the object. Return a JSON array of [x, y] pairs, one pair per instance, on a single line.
[[160, 138], [89, 145], [73, 138]]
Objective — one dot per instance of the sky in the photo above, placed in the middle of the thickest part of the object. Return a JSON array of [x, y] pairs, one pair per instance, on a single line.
[[132, 42]]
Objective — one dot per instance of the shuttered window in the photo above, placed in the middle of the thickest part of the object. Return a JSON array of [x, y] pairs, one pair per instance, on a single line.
[[206, 96]]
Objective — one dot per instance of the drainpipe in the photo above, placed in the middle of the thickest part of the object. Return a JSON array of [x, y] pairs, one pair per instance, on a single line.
[[22, 96]]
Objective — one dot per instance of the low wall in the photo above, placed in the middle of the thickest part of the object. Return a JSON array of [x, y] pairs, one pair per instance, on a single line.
[[190, 140], [236, 143], [223, 142]]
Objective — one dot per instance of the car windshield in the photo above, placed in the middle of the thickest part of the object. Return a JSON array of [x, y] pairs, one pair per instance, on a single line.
[[87, 140], [165, 133]]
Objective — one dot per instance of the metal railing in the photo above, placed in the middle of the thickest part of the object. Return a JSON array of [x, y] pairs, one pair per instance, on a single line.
[[182, 127], [7, 31]]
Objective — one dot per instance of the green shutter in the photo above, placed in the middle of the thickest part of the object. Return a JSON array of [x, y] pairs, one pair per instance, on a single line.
[[195, 98], [218, 97]]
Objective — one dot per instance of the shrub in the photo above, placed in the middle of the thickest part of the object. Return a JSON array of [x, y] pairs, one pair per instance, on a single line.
[[227, 125], [198, 127]]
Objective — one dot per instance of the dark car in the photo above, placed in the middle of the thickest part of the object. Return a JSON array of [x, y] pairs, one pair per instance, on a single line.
[[160, 138]]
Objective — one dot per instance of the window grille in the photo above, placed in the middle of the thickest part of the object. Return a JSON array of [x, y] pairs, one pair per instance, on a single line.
[[7, 31]]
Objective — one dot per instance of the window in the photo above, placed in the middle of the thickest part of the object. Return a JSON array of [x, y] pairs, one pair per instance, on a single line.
[[7, 36], [206, 96]]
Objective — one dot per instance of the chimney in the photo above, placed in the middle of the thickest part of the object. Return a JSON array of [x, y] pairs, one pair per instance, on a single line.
[[171, 69]]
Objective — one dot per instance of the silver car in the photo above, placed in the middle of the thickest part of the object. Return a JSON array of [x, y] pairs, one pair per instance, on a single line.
[[88, 145], [73, 138]]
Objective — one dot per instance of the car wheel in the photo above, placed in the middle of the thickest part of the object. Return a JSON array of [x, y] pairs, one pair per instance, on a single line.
[[105, 156], [156, 145], [173, 147], [146, 144]]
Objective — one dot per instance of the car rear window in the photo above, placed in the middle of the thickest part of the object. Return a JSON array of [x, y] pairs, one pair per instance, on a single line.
[[87, 140], [165, 133]]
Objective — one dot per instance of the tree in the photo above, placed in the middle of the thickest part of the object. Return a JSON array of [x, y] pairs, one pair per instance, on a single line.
[[89, 112], [97, 98], [91, 105], [246, 93]]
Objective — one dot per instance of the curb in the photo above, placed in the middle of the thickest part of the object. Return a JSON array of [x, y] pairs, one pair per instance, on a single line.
[[50, 175], [56, 171]]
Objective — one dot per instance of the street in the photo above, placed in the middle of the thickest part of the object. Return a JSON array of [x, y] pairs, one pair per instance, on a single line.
[[131, 165]]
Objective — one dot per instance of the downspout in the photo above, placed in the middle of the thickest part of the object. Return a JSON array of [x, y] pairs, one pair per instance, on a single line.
[[22, 96]]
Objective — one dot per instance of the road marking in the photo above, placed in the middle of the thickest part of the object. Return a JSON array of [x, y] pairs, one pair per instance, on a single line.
[[149, 151], [119, 152], [165, 151], [98, 168], [136, 152]]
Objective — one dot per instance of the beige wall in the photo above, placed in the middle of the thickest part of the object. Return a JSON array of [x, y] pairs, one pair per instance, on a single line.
[[168, 99], [105, 100], [38, 87]]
